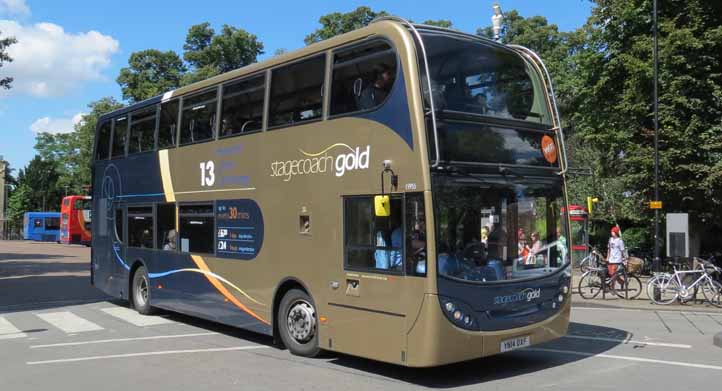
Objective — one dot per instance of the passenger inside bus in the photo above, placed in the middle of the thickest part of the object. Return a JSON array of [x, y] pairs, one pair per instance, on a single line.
[[392, 239], [375, 93], [170, 241]]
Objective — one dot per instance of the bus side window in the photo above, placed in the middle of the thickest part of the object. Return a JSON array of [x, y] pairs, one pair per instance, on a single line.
[[196, 229], [168, 124], [242, 106], [140, 227], [373, 243], [167, 235], [198, 117], [37, 223], [296, 92], [119, 137], [102, 148], [362, 77], [142, 130]]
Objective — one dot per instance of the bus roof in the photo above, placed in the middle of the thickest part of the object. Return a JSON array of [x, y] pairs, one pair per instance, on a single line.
[[371, 29], [42, 214]]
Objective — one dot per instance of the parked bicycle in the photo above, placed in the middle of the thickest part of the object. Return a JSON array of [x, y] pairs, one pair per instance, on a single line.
[[592, 260], [596, 280], [666, 288]]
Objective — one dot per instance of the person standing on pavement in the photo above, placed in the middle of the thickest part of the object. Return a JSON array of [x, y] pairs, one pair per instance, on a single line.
[[615, 251]]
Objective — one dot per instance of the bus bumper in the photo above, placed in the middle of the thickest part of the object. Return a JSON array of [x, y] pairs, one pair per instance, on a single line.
[[434, 340]]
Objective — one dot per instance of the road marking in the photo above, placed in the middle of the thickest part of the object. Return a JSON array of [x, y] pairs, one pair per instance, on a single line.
[[628, 341], [692, 323], [69, 322], [121, 340], [663, 322], [626, 358], [158, 353], [133, 317], [578, 307], [8, 331]]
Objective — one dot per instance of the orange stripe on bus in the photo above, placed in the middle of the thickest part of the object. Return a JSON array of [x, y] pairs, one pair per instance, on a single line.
[[222, 289]]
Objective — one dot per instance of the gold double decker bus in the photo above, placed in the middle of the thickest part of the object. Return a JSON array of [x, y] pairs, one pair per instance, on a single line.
[[395, 193]]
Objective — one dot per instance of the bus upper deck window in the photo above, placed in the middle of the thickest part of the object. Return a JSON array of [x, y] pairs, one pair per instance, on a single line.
[[120, 130], [198, 118], [142, 130], [297, 92], [168, 124], [242, 106], [103, 145], [362, 77]]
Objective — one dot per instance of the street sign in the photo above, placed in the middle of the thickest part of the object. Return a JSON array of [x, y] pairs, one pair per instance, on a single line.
[[655, 204]]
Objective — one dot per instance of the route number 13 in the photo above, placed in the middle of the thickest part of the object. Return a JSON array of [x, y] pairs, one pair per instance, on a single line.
[[208, 176]]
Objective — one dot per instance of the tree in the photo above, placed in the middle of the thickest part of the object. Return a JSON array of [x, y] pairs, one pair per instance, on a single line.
[[72, 152], [4, 57], [209, 54], [150, 73], [440, 23], [40, 179], [338, 23]]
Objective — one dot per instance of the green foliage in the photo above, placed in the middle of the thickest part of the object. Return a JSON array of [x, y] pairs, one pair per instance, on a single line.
[[207, 52], [150, 73], [37, 190], [72, 152], [4, 57], [440, 23], [337, 23]]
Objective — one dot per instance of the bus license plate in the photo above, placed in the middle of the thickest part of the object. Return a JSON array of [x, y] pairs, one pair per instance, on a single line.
[[515, 343]]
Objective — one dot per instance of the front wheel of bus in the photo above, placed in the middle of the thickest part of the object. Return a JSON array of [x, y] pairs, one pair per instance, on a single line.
[[298, 323], [141, 292]]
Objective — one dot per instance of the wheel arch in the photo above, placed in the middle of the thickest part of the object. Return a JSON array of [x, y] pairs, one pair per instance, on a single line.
[[283, 287], [138, 262]]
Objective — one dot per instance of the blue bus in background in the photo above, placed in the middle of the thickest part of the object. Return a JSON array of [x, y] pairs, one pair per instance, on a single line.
[[41, 226]]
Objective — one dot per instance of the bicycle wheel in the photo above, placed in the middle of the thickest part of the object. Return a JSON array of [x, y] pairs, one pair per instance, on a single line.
[[667, 287], [633, 287], [590, 285], [712, 292], [584, 265]]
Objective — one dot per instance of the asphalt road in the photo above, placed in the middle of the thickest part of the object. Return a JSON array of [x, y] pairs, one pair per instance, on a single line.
[[57, 333]]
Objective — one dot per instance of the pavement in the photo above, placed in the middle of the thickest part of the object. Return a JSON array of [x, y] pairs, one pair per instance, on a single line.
[[58, 333]]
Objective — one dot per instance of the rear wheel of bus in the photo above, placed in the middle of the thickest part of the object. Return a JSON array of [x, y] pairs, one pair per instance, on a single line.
[[298, 323], [140, 293]]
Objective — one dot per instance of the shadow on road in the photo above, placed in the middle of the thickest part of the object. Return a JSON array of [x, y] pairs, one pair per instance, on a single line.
[[21, 269], [495, 367], [20, 256], [42, 292]]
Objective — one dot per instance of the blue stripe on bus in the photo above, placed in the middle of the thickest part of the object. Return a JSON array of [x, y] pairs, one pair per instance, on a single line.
[[141, 195]]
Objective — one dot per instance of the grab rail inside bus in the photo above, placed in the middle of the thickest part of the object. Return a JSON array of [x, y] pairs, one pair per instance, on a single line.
[[415, 32], [536, 59]]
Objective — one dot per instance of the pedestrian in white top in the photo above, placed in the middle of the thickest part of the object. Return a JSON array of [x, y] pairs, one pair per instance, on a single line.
[[615, 251]]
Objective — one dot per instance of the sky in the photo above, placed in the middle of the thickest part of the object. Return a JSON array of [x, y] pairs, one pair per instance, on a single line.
[[70, 52]]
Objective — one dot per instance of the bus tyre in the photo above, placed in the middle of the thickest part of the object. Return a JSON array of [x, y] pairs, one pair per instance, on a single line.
[[298, 323], [140, 293]]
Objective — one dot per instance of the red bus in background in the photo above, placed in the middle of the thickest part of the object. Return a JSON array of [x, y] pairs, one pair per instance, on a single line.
[[75, 220]]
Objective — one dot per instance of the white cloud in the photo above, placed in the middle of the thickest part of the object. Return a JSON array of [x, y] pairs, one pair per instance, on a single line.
[[47, 61], [56, 125], [14, 7]]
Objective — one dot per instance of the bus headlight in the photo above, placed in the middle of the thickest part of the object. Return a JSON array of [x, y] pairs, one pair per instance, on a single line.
[[460, 314]]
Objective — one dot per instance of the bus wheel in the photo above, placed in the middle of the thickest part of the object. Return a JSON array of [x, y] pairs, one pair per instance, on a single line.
[[298, 324], [141, 292]]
